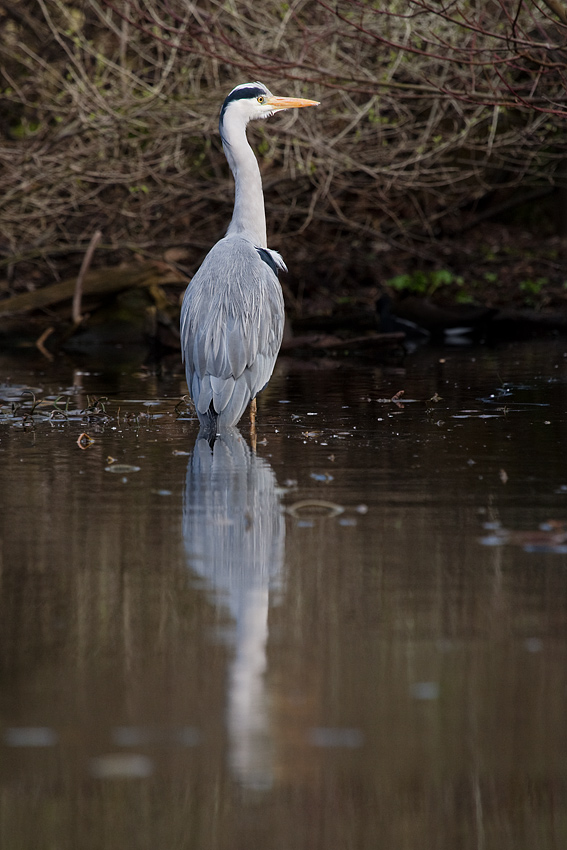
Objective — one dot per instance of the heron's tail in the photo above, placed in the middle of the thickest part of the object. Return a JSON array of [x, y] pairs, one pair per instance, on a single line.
[[209, 420]]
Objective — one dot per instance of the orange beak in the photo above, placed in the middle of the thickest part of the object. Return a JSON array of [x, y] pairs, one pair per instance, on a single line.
[[278, 103]]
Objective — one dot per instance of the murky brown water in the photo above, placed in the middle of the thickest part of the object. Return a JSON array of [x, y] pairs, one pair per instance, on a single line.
[[354, 638]]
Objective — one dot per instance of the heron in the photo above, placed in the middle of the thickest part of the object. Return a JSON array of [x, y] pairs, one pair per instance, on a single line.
[[232, 316]]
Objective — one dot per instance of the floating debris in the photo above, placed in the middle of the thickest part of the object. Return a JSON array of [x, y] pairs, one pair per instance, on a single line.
[[323, 477], [84, 441], [14, 392], [20, 408], [551, 536], [314, 508]]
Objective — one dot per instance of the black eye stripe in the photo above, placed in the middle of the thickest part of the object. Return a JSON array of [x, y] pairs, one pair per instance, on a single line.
[[246, 91]]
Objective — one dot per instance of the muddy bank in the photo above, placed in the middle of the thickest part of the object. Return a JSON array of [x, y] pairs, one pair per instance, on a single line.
[[497, 283]]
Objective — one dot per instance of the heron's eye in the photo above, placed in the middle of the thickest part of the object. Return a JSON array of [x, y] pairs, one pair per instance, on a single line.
[[261, 99]]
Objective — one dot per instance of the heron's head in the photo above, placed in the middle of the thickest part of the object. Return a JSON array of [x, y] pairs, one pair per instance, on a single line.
[[249, 101]]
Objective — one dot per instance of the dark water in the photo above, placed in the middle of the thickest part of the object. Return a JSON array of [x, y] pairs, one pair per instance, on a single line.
[[355, 637]]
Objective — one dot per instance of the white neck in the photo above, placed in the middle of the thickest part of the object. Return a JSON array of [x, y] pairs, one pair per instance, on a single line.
[[249, 217]]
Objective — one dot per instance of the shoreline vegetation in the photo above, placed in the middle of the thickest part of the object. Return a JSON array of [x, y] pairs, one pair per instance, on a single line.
[[434, 172]]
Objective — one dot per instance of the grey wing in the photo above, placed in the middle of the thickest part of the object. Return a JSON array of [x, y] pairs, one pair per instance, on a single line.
[[231, 328]]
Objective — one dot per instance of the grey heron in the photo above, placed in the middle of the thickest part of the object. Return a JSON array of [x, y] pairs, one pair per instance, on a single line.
[[232, 316]]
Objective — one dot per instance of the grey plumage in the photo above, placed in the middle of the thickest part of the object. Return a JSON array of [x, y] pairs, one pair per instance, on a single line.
[[232, 315], [231, 328]]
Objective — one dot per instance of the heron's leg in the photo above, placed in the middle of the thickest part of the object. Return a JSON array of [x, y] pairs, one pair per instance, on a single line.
[[253, 409]]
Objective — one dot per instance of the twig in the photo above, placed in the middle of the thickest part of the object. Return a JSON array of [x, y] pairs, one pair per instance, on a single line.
[[40, 343], [87, 259]]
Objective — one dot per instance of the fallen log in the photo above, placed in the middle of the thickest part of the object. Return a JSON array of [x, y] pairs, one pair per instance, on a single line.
[[97, 282], [326, 342]]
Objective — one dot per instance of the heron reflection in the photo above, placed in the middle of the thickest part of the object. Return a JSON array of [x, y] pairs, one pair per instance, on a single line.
[[234, 534]]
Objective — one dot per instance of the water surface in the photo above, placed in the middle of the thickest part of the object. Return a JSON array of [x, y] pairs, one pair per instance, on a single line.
[[352, 636]]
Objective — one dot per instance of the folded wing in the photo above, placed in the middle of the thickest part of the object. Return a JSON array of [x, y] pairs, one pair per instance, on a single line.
[[231, 328]]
